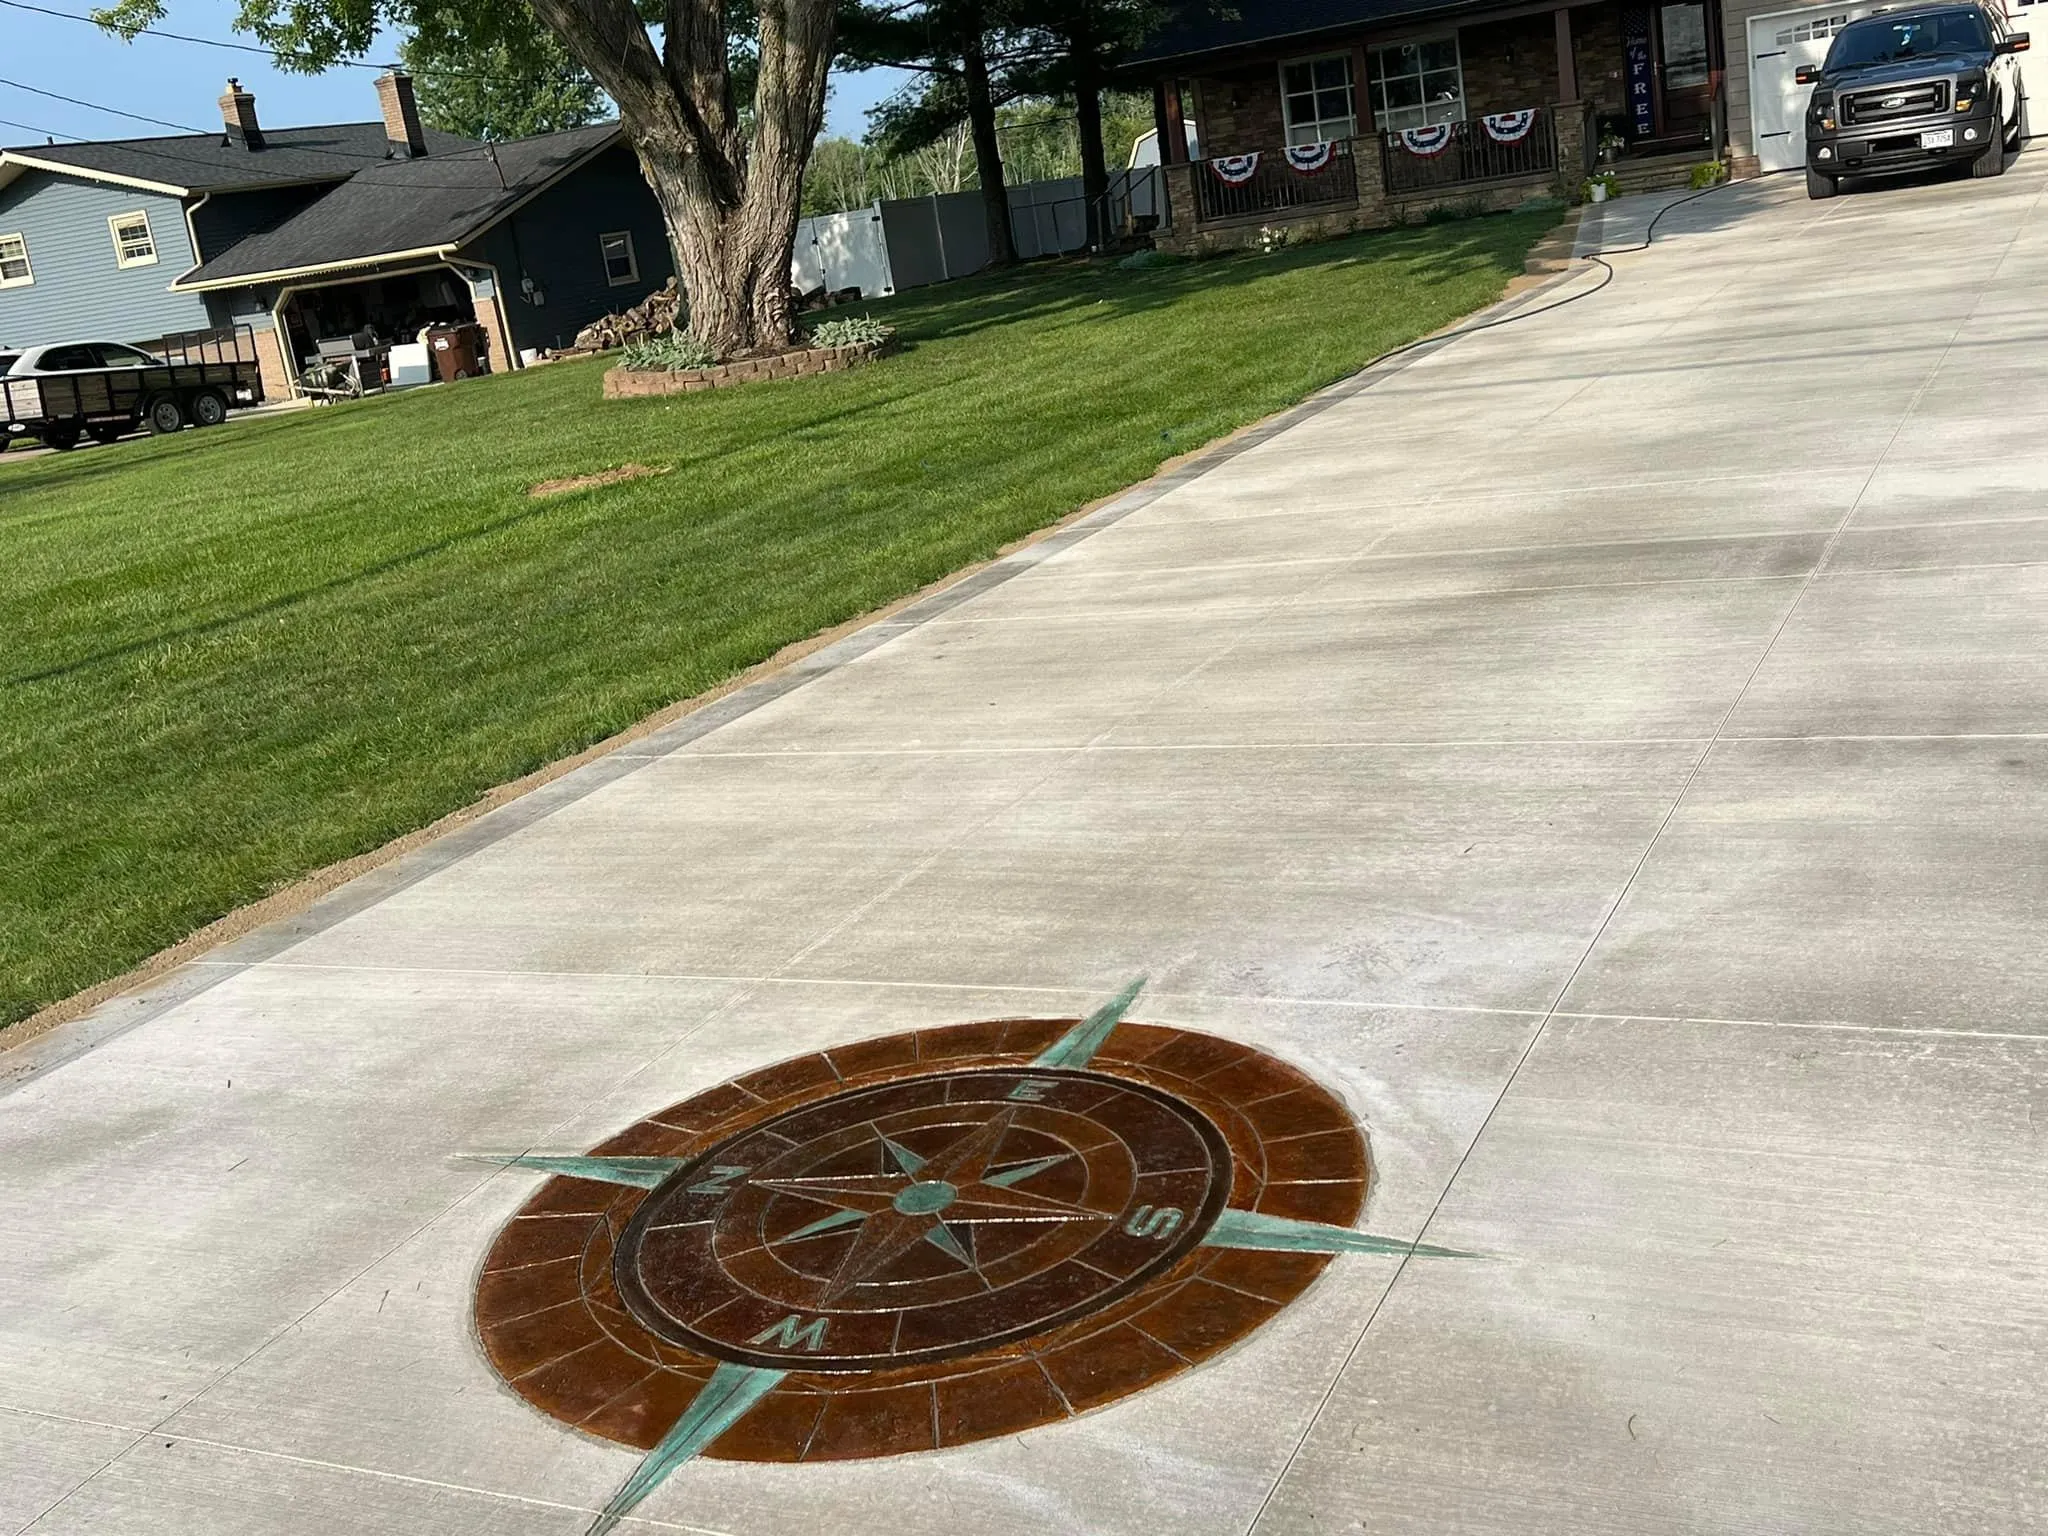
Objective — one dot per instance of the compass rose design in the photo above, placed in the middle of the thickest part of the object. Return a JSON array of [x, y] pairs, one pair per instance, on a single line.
[[920, 1241]]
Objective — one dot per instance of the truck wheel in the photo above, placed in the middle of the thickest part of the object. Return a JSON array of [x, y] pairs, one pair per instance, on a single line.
[[164, 415], [1818, 185], [1992, 161], [209, 408]]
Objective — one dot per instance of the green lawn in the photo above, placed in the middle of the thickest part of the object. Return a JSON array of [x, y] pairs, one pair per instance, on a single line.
[[232, 657]]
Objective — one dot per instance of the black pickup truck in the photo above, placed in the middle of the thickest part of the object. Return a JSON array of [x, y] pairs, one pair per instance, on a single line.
[[1901, 90], [102, 389]]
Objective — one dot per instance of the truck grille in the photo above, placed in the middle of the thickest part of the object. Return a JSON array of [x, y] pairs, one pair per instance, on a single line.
[[1894, 102]]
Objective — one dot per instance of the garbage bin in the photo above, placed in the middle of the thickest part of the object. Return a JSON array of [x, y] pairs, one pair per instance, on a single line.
[[457, 351]]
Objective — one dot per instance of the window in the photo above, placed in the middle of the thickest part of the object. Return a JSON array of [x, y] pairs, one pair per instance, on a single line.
[[620, 265], [134, 246], [1415, 84], [113, 355], [1820, 26], [14, 271], [1315, 95], [67, 359]]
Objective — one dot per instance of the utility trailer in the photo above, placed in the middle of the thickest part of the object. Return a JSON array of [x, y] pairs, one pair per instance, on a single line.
[[194, 380]]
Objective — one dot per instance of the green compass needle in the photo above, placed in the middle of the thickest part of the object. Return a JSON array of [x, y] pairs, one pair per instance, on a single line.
[[1253, 1229], [1078, 1045], [730, 1392], [640, 1172]]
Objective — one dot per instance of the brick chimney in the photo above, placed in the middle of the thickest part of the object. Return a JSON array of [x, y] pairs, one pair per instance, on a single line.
[[407, 139], [238, 115]]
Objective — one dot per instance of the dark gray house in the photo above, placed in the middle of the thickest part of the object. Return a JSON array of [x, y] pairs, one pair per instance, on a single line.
[[306, 233]]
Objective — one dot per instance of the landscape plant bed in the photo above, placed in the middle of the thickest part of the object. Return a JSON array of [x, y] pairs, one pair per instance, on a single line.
[[206, 693], [625, 383]]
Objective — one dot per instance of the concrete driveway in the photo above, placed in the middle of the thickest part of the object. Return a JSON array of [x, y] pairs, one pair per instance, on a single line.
[[1610, 754]]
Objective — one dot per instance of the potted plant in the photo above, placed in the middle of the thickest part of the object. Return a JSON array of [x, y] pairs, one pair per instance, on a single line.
[[1600, 187], [1611, 146]]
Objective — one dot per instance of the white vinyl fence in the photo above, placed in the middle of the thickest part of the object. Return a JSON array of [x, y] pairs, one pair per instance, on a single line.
[[899, 243]]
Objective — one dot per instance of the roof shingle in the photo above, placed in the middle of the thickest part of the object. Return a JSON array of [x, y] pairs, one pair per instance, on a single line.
[[212, 162], [406, 205]]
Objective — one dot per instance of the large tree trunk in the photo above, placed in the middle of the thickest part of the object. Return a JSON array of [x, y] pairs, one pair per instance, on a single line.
[[1088, 123], [988, 152], [731, 202]]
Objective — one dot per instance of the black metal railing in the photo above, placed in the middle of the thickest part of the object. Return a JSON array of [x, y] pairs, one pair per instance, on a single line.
[[1428, 159], [1275, 184]]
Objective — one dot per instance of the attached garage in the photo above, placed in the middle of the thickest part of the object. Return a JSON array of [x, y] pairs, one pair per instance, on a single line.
[[1779, 44]]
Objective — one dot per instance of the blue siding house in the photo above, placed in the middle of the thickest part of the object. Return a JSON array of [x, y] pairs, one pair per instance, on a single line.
[[304, 234]]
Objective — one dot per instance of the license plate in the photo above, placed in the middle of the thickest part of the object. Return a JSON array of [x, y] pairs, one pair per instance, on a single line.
[[1938, 138]]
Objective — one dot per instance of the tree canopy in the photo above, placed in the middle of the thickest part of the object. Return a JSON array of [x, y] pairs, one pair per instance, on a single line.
[[520, 83]]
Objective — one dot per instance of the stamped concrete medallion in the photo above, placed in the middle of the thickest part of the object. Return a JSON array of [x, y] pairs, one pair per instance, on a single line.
[[920, 1240]]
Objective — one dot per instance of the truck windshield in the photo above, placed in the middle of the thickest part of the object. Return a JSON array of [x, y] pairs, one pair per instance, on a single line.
[[1882, 40]]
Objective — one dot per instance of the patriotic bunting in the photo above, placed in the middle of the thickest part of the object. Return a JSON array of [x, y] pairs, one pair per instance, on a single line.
[[1309, 158], [1510, 127], [1433, 140], [1235, 170]]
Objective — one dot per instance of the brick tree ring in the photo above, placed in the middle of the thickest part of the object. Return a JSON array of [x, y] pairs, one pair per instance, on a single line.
[[919, 1241]]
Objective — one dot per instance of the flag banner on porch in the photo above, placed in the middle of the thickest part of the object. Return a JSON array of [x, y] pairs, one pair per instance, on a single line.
[[1510, 127], [1235, 170], [1433, 140], [1309, 158]]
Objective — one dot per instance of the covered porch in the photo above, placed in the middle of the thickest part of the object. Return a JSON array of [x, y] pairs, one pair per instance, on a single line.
[[1450, 107]]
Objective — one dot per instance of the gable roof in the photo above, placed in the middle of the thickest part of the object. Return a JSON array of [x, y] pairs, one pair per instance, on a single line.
[[1198, 27], [404, 208], [186, 164]]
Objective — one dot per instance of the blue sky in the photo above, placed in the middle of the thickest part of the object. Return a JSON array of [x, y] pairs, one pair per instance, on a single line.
[[179, 82]]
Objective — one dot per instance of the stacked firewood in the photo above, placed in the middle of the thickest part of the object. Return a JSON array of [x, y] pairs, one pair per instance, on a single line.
[[656, 315]]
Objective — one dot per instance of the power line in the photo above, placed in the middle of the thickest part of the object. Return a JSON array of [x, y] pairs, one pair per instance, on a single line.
[[156, 152], [94, 106], [48, 133], [274, 54]]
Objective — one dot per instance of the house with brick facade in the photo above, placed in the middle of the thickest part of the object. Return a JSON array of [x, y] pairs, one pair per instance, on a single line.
[[1345, 114], [276, 240]]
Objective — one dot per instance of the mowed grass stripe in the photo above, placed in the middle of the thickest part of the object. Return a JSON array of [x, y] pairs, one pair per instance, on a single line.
[[231, 658]]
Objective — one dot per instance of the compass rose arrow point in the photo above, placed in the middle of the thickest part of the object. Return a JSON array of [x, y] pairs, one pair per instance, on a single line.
[[1254, 1229], [1078, 1045], [640, 1172]]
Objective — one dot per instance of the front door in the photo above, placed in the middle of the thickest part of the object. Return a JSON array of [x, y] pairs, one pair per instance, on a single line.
[[1684, 67]]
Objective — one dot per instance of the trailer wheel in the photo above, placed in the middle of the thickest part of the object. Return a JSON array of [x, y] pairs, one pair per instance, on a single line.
[[164, 415], [209, 408]]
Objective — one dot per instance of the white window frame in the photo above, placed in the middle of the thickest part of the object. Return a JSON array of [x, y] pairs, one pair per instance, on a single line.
[[28, 270], [1392, 119], [121, 256], [605, 256], [1317, 129]]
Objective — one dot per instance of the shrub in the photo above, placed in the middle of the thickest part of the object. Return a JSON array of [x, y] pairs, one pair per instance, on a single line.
[[853, 331], [671, 353], [1138, 261], [1708, 173]]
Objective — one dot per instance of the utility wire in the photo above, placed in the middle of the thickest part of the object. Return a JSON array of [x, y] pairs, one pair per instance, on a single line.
[[94, 106], [273, 54], [48, 133], [154, 151]]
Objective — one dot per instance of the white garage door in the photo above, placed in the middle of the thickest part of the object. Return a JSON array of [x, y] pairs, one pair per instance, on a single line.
[[2031, 17], [1778, 45]]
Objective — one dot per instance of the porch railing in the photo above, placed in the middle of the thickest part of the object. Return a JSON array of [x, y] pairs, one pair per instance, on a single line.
[[1427, 160], [1273, 183]]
